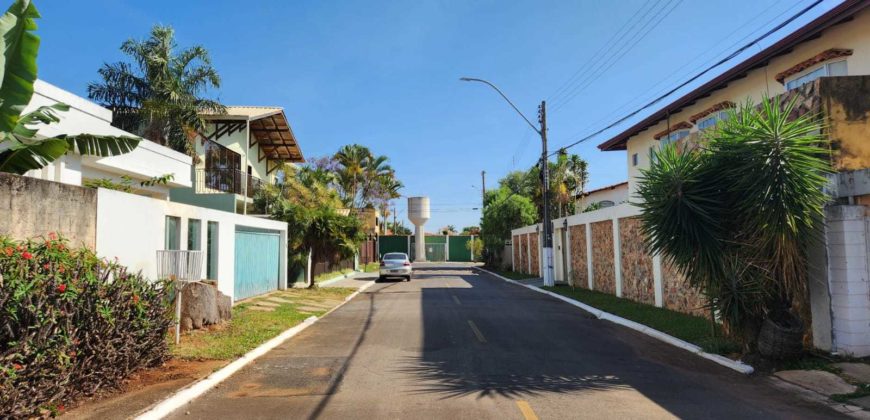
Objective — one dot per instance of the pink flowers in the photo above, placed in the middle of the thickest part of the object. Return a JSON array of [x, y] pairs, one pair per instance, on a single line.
[[52, 236]]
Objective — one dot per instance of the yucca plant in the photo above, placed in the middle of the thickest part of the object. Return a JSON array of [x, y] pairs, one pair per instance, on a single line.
[[735, 214]]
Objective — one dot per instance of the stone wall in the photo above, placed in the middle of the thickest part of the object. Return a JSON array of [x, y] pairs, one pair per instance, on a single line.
[[515, 249], [678, 295], [533, 251], [579, 268], [603, 276], [638, 283], [34, 207], [523, 264]]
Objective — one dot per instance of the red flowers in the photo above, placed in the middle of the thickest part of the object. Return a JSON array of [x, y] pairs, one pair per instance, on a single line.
[[52, 236], [26, 255], [17, 366], [135, 298], [46, 266], [9, 251], [61, 288]]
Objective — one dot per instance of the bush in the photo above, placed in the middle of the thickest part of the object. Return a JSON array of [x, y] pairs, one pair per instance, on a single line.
[[72, 324]]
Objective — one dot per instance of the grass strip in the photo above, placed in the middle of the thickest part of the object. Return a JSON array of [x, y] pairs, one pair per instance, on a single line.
[[694, 329], [251, 327]]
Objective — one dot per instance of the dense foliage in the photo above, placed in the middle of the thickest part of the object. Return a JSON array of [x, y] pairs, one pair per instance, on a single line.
[[736, 213], [72, 324], [360, 177], [21, 147], [160, 94], [503, 211], [568, 177]]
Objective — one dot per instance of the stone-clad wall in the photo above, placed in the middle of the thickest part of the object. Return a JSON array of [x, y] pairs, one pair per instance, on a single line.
[[523, 266], [515, 249], [603, 276], [579, 270], [678, 295], [638, 283], [533, 250]]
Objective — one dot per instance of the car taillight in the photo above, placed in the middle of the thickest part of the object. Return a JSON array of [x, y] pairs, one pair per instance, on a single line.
[[406, 263]]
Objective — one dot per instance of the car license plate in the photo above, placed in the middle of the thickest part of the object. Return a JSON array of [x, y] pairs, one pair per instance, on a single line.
[[395, 271]]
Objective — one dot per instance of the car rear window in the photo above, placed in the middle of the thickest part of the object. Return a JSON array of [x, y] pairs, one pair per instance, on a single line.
[[395, 256]]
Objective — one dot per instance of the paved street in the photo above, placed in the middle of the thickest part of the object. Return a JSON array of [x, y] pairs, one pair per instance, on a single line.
[[454, 343]]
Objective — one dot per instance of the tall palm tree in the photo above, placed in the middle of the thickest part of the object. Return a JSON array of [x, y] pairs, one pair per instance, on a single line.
[[160, 95], [362, 177]]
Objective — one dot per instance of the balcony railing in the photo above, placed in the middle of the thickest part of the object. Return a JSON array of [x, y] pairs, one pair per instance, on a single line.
[[224, 180]]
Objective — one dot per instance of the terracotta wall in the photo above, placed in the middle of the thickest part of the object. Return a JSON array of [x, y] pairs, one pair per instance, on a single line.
[[603, 276], [638, 283], [677, 294], [523, 266], [515, 249], [533, 250], [579, 270]]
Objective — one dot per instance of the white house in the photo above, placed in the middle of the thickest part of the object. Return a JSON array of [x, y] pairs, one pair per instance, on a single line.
[[607, 196], [148, 160], [245, 255]]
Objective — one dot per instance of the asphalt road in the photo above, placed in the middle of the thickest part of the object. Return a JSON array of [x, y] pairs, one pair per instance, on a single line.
[[455, 344]]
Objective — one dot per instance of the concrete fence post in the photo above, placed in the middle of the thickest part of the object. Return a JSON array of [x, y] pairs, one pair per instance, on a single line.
[[658, 286]]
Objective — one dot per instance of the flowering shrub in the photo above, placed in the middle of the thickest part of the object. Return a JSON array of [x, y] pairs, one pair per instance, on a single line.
[[71, 323]]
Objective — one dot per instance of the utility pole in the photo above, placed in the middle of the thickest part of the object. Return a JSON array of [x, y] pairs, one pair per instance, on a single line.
[[545, 192], [483, 187]]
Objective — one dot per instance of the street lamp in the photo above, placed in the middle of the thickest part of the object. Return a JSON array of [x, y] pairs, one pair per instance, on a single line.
[[545, 179]]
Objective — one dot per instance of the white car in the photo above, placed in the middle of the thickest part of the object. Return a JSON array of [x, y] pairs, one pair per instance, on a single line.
[[395, 264]]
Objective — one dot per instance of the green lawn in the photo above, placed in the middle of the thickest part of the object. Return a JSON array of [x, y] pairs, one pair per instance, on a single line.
[[257, 320], [371, 267], [513, 275], [694, 329]]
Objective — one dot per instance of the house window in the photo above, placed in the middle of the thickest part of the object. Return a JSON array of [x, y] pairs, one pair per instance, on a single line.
[[712, 119], [836, 68], [194, 235], [652, 155], [211, 251], [674, 137], [634, 159], [605, 203], [173, 233]]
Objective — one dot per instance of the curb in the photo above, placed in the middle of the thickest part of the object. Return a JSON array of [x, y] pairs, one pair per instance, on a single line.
[[652, 332], [192, 391], [338, 277]]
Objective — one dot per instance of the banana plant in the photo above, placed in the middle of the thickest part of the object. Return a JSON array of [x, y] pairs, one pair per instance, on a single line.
[[21, 147]]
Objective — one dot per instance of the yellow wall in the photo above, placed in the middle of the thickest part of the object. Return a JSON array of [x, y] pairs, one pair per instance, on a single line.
[[854, 35]]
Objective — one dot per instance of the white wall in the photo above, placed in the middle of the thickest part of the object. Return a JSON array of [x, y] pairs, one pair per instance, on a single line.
[[148, 160], [617, 194], [132, 228]]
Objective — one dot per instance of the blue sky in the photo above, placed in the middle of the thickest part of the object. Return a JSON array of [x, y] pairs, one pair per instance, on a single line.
[[385, 73]]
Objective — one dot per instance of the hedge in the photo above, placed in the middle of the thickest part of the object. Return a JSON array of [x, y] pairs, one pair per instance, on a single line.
[[72, 324]]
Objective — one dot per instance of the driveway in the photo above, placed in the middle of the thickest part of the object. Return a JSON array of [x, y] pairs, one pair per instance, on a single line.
[[454, 344]]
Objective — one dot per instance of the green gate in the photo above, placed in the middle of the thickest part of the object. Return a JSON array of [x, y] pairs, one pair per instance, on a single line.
[[458, 250], [257, 263], [393, 243]]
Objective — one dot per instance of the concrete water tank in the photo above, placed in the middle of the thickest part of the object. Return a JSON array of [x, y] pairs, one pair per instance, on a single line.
[[418, 213]]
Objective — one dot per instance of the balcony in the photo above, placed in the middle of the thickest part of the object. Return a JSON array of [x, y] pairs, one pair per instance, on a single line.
[[225, 180]]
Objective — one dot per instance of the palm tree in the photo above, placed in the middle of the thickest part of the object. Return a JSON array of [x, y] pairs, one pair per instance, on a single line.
[[737, 214], [363, 178], [160, 94], [21, 148]]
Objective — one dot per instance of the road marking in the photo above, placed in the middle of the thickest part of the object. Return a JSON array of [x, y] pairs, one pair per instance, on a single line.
[[476, 331], [527, 411], [456, 299]]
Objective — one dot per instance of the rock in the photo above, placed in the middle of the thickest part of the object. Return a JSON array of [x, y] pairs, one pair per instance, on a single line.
[[202, 305], [857, 371], [825, 383], [863, 402]]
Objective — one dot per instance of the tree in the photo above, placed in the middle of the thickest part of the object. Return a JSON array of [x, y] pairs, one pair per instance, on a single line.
[[160, 95], [737, 214], [362, 178], [471, 230], [475, 245], [398, 228], [449, 230], [504, 211], [21, 148]]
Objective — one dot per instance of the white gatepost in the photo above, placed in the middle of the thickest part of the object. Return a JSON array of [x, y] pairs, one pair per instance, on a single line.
[[446, 247], [409, 246], [658, 284], [617, 257], [589, 270], [471, 249]]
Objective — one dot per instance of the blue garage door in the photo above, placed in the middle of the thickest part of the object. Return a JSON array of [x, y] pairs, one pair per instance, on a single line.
[[257, 264]]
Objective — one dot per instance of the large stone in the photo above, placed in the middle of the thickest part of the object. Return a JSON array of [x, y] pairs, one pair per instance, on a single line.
[[856, 371], [202, 305], [825, 383]]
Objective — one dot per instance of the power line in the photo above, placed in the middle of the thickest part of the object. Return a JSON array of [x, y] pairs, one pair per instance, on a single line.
[[646, 95], [553, 96], [695, 77], [604, 66]]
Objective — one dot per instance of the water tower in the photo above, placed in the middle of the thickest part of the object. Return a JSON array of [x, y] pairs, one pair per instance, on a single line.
[[418, 213]]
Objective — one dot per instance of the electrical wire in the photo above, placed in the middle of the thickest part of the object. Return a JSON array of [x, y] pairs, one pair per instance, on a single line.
[[695, 77]]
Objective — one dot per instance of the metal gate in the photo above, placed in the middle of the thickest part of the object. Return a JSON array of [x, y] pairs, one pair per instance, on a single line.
[[434, 252], [257, 263]]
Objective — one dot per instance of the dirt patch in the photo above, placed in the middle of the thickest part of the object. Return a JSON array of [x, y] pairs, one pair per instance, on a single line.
[[143, 389]]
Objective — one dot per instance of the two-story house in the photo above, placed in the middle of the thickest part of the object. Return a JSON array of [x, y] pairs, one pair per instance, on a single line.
[[239, 151]]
